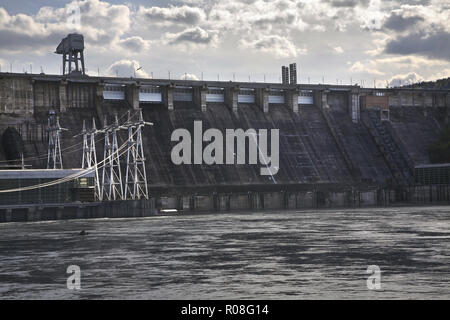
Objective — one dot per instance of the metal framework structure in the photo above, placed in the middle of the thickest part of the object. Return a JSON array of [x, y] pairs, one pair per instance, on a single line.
[[54, 158], [111, 187], [90, 156], [71, 48], [85, 162], [136, 177]]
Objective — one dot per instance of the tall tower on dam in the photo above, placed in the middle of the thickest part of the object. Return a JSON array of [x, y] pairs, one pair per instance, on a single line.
[[284, 75], [289, 74], [293, 73], [72, 50]]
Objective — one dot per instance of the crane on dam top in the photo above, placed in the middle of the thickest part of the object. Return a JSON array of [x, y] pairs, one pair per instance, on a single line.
[[72, 48]]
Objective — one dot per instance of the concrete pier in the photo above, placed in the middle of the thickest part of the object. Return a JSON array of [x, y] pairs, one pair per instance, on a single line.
[[132, 95], [199, 96], [231, 98], [262, 99], [168, 96], [291, 97]]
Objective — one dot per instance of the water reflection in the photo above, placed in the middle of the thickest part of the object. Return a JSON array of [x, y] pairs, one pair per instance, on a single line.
[[268, 255]]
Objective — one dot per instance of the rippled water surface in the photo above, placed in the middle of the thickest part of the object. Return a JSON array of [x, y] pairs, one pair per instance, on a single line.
[[268, 255]]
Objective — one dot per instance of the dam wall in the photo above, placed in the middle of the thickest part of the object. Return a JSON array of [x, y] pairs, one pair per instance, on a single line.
[[187, 202], [341, 135]]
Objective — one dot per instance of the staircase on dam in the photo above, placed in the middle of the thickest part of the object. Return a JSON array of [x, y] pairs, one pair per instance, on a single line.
[[299, 158], [356, 144], [219, 116], [391, 152], [415, 129], [339, 138]]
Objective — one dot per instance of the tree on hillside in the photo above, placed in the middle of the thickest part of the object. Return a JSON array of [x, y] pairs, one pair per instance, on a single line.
[[440, 151]]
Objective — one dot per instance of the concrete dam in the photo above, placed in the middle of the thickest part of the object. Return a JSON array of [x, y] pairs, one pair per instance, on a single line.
[[339, 146]]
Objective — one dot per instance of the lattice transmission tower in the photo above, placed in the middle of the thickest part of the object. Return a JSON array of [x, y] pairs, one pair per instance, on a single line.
[[136, 186], [111, 187], [54, 157], [90, 155]]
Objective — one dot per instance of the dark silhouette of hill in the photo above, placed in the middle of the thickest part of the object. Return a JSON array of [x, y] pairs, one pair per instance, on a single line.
[[438, 84]]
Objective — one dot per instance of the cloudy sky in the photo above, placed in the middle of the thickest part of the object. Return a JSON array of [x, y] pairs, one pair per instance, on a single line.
[[337, 40]]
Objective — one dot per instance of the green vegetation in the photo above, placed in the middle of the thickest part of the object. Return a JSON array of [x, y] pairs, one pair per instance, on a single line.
[[438, 84], [440, 150]]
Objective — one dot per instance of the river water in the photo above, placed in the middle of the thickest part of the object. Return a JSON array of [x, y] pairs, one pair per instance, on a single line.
[[268, 255]]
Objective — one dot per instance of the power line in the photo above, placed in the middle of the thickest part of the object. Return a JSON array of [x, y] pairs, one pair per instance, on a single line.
[[136, 177], [90, 155], [111, 186], [54, 158], [78, 146], [68, 178]]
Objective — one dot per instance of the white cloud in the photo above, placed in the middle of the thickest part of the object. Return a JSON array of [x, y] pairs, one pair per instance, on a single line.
[[184, 15], [126, 68], [373, 16], [279, 16], [279, 46], [360, 67], [189, 76], [99, 20], [338, 50], [405, 79], [195, 36], [134, 44], [101, 24], [413, 77], [394, 65], [410, 18], [440, 74], [219, 36], [408, 62], [418, 29]]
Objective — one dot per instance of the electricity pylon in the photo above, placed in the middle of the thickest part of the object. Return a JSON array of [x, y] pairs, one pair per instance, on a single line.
[[111, 188], [90, 155], [54, 158], [136, 177]]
